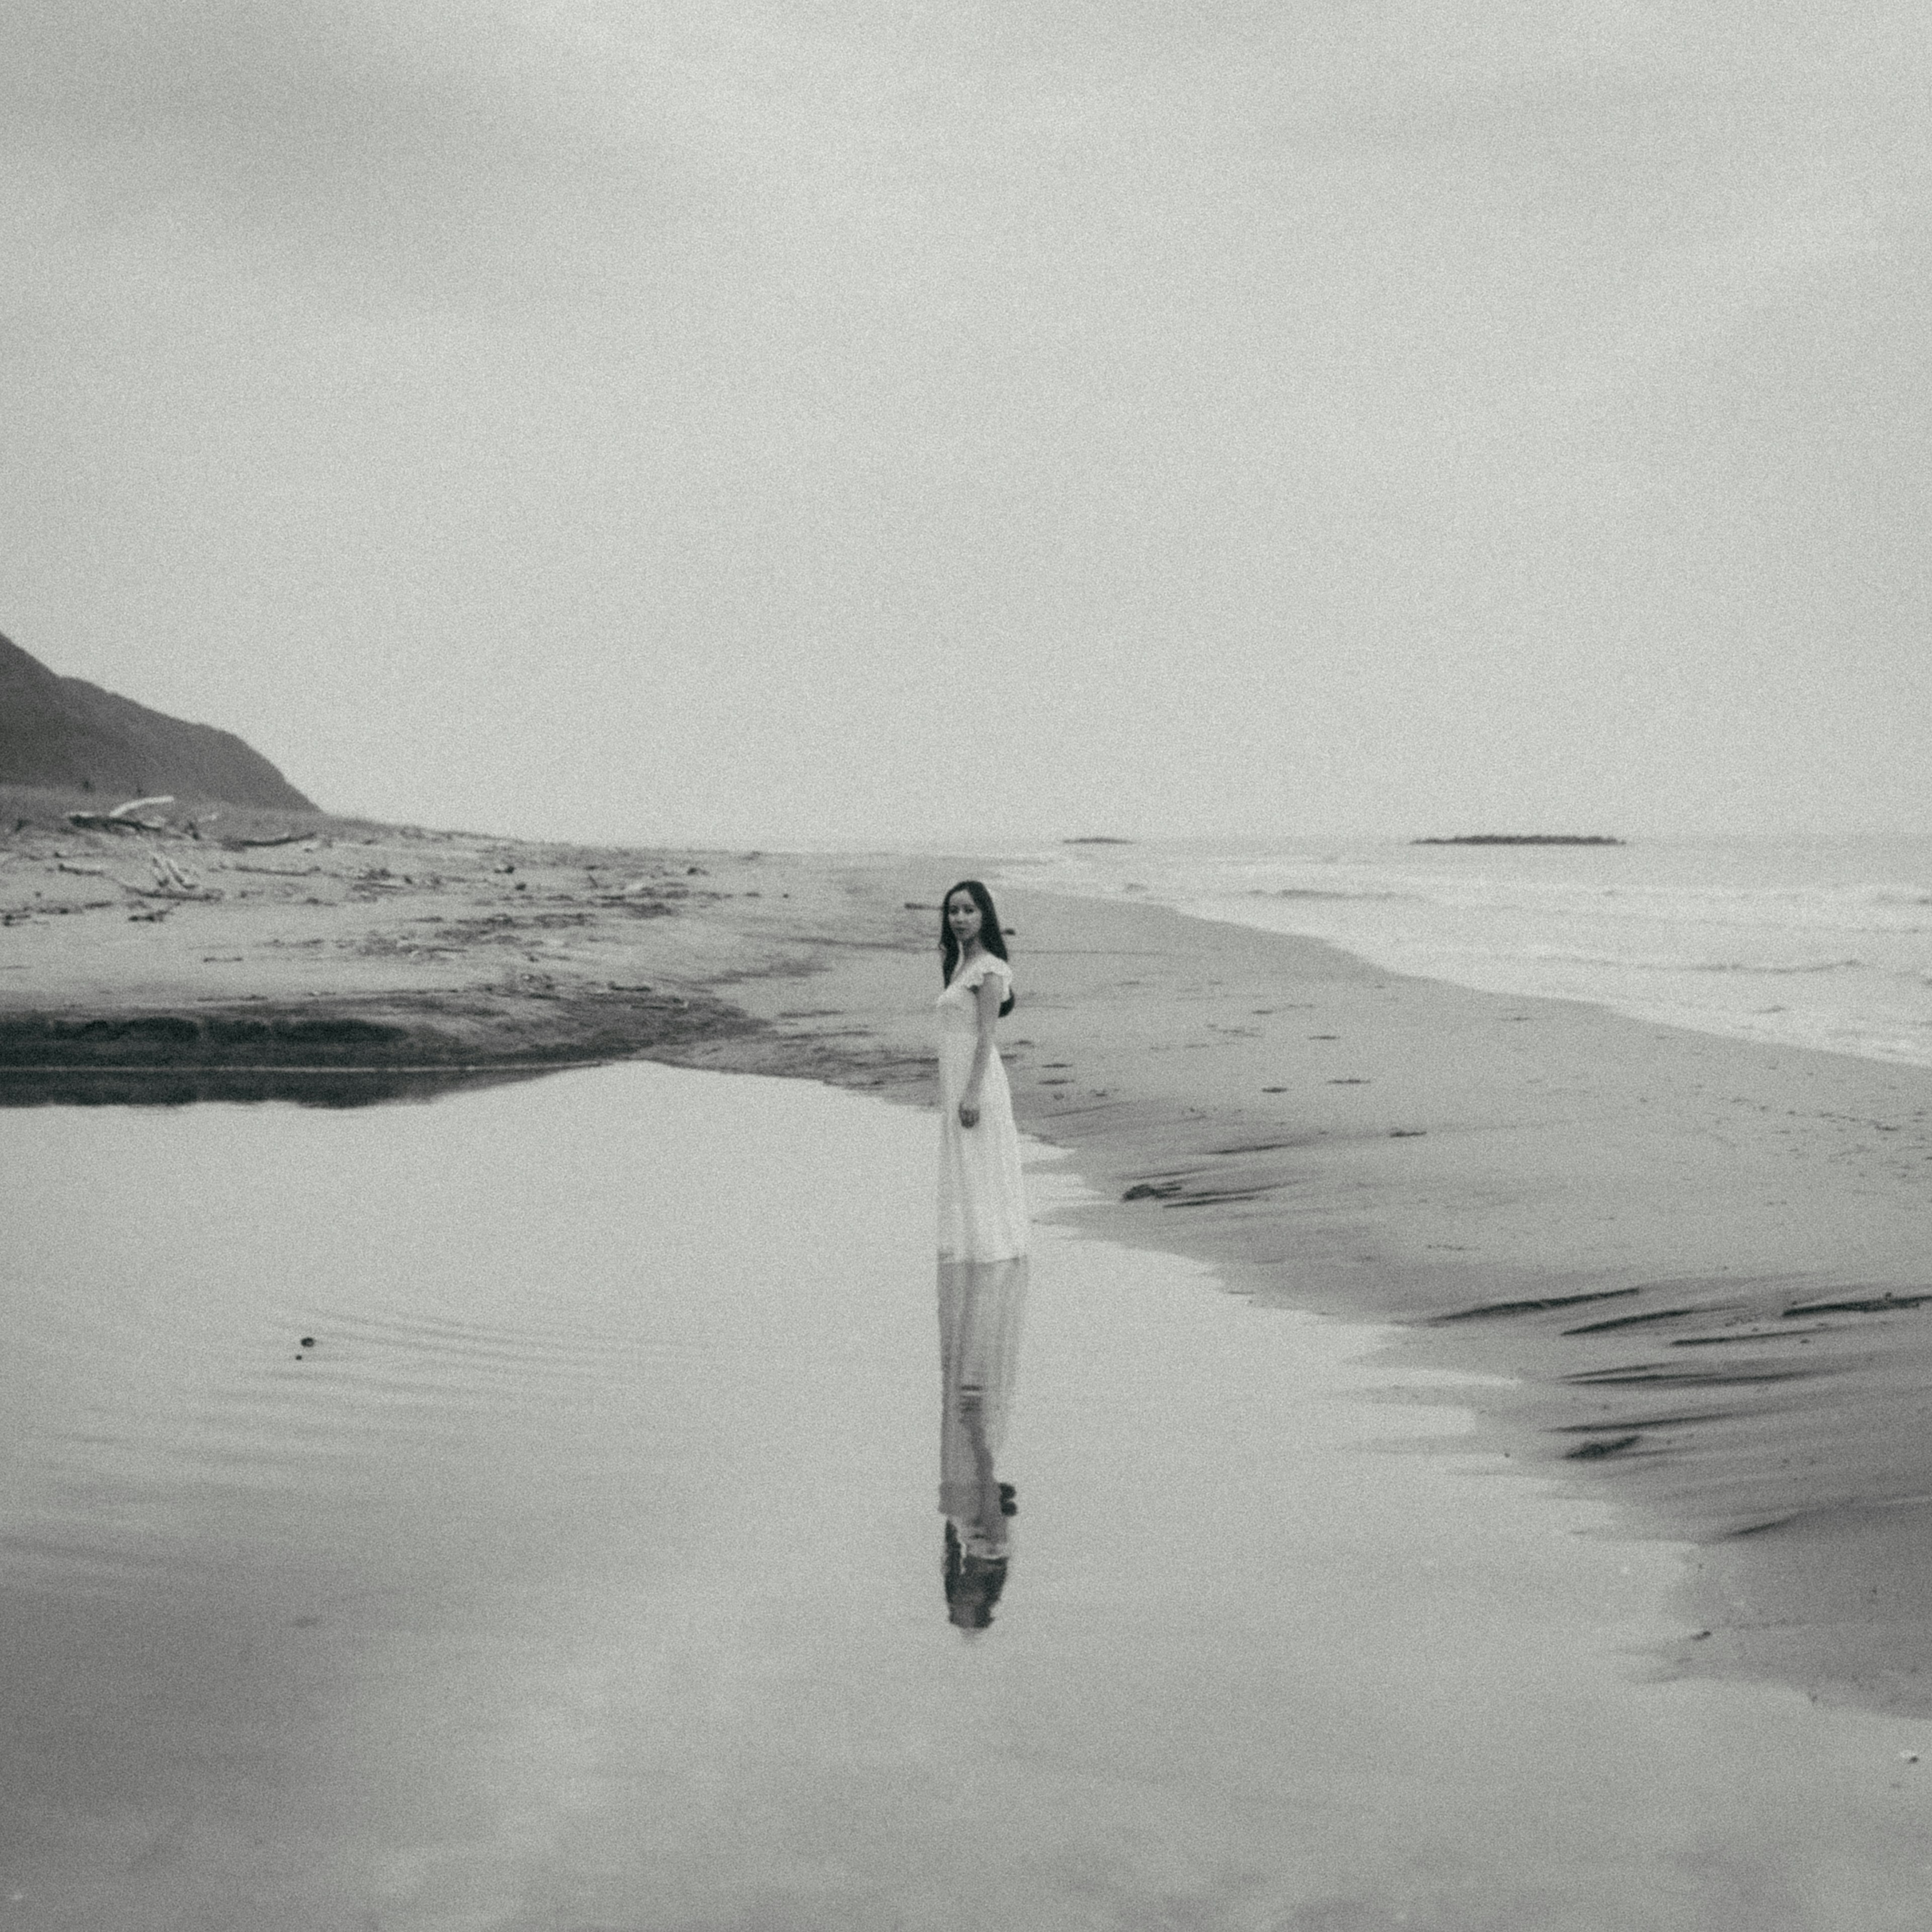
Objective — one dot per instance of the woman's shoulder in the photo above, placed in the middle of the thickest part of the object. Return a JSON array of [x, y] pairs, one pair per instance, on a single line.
[[986, 963]]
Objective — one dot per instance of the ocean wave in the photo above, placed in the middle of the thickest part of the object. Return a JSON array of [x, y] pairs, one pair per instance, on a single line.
[[1351, 898], [1629, 963], [1746, 916], [1776, 972], [1822, 953]]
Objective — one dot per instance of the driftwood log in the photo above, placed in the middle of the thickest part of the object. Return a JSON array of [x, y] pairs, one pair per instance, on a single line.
[[106, 821], [121, 818]]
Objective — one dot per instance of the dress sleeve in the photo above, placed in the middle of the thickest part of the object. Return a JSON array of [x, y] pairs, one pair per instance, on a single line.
[[987, 963]]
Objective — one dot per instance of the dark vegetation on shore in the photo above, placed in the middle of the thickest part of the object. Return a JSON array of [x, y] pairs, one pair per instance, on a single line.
[[352, 1051]]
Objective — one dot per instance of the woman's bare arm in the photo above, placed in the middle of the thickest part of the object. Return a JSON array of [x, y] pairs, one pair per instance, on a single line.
[[988, 997]]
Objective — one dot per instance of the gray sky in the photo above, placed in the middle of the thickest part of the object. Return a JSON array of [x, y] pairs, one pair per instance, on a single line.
[[863, 421]]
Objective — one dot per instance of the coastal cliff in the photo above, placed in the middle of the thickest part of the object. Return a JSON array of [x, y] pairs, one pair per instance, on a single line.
[[63, 732]]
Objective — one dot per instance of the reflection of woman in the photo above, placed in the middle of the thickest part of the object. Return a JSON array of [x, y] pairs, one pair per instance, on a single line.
[[982, 1212], [981, 1307]]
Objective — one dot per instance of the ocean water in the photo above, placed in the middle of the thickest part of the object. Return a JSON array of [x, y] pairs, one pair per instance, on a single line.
[[1814, 943]]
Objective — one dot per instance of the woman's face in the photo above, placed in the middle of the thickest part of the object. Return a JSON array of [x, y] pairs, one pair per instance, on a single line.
[[963, 916]]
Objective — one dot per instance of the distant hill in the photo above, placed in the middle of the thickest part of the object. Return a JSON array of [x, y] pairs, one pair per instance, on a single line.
[[64, 733], [1522, 838]]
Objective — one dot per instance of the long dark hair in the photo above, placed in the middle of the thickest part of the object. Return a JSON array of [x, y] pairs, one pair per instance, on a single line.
[[991, 937], [972, 1584]]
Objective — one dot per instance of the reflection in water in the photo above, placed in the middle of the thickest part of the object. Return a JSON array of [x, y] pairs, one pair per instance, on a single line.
[[981, 1306], [332, 1087]]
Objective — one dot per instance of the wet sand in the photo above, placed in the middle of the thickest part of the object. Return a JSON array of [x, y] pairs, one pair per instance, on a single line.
[[1702, 1264], [1698, 1267], [521, 1512]]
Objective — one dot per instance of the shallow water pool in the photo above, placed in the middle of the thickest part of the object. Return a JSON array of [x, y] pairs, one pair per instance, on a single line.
[[522, 1511]]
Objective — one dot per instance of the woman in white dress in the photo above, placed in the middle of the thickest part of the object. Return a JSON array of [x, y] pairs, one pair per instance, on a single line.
[[982, 1210], [983, 1256]]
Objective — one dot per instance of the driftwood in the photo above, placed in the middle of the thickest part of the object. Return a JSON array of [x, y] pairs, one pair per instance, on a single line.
[[106, 821], [121, 818], [172, 877], [171, 883], [256, 844]]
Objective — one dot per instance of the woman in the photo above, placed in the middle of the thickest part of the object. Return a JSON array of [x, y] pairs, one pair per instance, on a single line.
[[983, 1247], [982, 1211]]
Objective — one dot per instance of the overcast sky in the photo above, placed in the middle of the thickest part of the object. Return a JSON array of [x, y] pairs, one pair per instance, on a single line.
[[816, 421]]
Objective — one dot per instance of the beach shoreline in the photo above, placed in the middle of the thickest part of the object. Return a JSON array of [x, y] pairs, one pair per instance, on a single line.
[[1690, 1269]]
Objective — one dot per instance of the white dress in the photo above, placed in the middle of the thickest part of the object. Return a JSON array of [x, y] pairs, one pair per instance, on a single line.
[[982, 1210], [982, 1309]]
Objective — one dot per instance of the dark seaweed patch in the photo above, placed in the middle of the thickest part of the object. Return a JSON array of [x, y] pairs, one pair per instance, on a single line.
[[1747, 1335], [1657, 1375], [1642, 1422], [1213, 1197], [1874, 1304], [1486, 1311], [1264, 1147], [1760, 1528], [1637, 1321]]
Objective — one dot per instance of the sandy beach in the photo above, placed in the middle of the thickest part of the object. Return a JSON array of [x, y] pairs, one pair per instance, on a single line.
[[544, 1391], [1693, 1271]]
